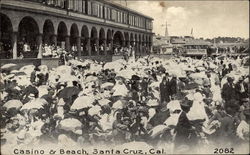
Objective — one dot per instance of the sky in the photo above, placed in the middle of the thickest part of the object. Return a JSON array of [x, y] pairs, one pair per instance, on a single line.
[[208, 19]]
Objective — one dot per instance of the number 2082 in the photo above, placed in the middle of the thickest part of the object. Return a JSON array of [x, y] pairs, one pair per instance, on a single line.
[[223, 151]]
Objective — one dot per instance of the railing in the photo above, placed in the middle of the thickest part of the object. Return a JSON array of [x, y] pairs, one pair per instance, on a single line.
[[100, 10]]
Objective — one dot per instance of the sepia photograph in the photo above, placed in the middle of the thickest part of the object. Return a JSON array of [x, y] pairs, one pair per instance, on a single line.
[[128, 77]]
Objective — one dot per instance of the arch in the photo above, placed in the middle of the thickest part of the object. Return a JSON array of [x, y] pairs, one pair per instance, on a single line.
[[101, 40], [94, 41], [118, 39], [6, 30], [84, 40], [62, 32], [74, 34], [28, 31], [48, 32]]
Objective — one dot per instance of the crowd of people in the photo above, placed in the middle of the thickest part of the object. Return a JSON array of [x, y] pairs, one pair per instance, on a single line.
[[182, 101]]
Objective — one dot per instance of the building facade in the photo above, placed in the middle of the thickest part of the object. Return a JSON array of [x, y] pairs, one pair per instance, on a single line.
[[84, 24]]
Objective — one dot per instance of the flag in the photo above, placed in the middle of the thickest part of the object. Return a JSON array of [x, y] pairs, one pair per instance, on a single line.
[[192, 32]]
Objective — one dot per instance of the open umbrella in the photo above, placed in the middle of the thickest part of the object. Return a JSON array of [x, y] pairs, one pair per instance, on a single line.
[[13, 104], [9, 66], [104, 102], [94, 110], [107, 85], [83, 102], [118, 105], [70, 124], [34, 104], [68, 92], [159, 129], [27, 69]]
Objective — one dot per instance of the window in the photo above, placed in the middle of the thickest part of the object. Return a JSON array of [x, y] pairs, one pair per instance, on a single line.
[[94, 9], [122, 17], [125, 18], [83, 6], [75, 5], [71, 5], [89, 8], [79, 6], [105, 12], [118, 16], [114, 15]]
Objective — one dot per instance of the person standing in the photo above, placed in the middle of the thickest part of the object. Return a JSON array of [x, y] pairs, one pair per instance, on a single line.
[[185, 131], [228, 90], [164, 90], [173, 86]]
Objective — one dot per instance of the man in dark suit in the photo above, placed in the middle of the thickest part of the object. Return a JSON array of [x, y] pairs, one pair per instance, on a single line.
[[228, 90], [165, 90], [185, 131]]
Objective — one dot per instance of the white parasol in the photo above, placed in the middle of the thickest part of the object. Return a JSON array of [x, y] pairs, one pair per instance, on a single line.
[[156, 131], [83, 102], [107, 84], [13, 104], [34, 104], [70, 124], [104, 102]]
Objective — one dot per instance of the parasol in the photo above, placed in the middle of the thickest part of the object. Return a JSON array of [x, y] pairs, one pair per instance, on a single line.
[[13, 104], [27, 69], [104, 102], [94, 110], [156, 131], [70, 124], [34, 104], [9, 66], [83, 102], [118, 105], [107, 85]]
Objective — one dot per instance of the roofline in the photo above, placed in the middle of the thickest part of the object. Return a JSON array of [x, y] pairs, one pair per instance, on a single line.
[[125, 8]]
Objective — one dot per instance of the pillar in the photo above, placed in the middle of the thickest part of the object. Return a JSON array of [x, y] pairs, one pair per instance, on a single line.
[[39, 45], [88, 47], [112, 46], [128, 43], [105, 46], [97, 45], [78, 45], [67, 43], [14, 44], [54, 39]]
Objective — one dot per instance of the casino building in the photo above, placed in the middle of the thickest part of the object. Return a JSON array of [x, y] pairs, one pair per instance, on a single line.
[[80, 23]]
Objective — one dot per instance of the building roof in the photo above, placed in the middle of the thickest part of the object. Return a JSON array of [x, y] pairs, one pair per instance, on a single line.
[[161, 41], [178, 41], [197, 42]]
